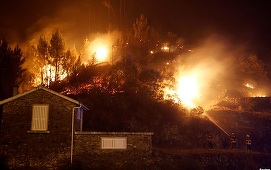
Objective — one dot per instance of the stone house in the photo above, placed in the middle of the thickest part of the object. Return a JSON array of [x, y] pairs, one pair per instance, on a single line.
[[43, 129]]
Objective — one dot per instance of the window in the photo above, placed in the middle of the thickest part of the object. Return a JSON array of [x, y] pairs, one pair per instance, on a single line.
[[114, 142], [40, 118]]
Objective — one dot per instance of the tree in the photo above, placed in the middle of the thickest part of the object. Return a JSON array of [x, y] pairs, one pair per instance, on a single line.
[[141, 29], [49, 60], [70, 57], [125, 75], [11, 71], [252, 69], [172, 40], [43, 59], [56, 50], [244, 77], [143, 39], [252, 73]]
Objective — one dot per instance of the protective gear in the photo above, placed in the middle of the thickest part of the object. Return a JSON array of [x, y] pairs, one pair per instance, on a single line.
[[233, 141], [210, 142], [248, 143]]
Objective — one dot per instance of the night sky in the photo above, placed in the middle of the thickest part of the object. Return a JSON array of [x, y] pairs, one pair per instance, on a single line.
[[242, 22]]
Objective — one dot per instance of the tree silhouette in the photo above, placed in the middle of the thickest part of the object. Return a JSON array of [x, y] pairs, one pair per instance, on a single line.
[[11, 71], [70, 58], [143, 39]]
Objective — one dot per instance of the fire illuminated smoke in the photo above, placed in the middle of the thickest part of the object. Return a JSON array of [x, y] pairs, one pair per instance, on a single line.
[[197, 77]]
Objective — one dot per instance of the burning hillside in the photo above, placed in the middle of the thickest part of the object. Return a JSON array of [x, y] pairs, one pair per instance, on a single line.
[[201, 76], [211, 74]]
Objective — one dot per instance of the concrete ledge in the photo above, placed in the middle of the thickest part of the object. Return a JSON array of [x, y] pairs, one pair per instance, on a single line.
[[36, 131], [113, 133]]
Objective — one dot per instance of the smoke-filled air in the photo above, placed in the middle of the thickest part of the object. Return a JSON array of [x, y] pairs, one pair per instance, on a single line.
[[211, 69], [135, 84]]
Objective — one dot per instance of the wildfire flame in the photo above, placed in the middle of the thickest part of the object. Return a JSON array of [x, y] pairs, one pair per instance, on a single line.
[[101, 54], [165, 48], [249, 86], [254, 91], [47, 75], [99, 49], [186, 91]]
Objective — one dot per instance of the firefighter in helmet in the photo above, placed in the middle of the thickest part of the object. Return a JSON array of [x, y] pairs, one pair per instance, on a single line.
[[248, 143], [233, 141], [210, 142]]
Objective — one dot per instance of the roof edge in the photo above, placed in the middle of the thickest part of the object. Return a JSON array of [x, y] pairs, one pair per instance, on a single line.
[[45, 89]]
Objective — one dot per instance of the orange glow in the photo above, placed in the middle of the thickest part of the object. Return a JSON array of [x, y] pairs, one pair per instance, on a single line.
[[165, 48], [260, 95], [100, 48], [254, 91], [192, 84], [188, 90], [185, 91], [101, 54], [99, 51]]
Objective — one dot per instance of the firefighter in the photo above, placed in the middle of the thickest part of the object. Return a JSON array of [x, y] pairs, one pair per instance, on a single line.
[[248, 143], [210, 142], [233, 141]]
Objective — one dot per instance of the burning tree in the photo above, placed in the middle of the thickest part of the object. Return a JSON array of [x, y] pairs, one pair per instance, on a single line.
[[50, 61], [56, 50], [43, 59]]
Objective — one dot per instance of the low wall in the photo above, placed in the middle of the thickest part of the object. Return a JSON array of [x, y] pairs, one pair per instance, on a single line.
[[91, 141], [88, 150]]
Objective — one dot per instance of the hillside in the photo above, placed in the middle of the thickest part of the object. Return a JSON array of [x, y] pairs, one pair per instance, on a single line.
[[176, 158], [172, 125], [205, 159], [256, 124]]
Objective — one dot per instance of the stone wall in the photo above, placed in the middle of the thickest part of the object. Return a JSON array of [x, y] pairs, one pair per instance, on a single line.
[[21, 147], [88, 149], [92, 141]]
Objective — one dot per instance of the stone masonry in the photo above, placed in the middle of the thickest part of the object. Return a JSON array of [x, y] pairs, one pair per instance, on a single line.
[[25, 148]]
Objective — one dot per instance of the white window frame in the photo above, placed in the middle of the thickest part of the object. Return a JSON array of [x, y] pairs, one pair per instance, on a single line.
[[114, 142], [40, 114]]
